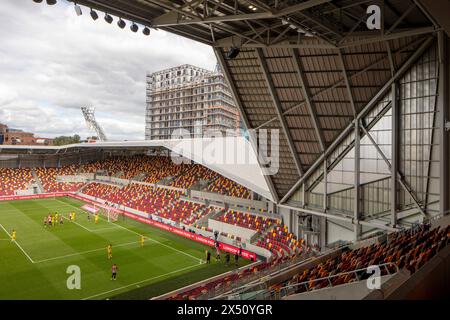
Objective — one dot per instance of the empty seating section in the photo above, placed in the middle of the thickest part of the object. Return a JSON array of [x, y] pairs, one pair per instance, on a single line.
[[193, 175], [279, 240], [410, 249], [228, 187], [247, 220], [165, 167], [111, 165], [14, 179], [274, 235], [47, 176], [101, 191], [157, 168], [162, 202], [226, 282], [151, 169]]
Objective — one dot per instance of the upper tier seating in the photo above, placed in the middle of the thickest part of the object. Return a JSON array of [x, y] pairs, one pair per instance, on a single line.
[[230, 188], [47, 176], [193, 175], [247, 220]]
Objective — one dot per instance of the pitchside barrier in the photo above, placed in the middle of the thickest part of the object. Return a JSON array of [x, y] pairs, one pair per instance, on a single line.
[[183, 233]]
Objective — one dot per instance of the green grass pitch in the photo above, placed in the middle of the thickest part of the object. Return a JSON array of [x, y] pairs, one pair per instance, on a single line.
[[35, 266]]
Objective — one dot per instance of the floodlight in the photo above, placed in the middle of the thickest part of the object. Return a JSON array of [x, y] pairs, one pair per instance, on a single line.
[[233, 53], [134, 27], [121, 23], [146, 31], [108, 18], [94, 15], [78, 10]]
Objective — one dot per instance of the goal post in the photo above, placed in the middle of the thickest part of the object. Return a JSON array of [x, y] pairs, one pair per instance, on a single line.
[[109, 213]]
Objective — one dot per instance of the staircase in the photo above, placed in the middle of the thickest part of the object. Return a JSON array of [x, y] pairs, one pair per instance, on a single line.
[[118, 174], [203, 221], [261, 236], [139, 177], [165, 181], [84, 186], [38, 181]]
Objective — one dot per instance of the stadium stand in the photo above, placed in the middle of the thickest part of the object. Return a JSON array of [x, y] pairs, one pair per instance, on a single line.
[[14, 179], [274, 236], [162, 202], [193, 175], [410, 249], [48, 176], [230, 188], [157, 168]]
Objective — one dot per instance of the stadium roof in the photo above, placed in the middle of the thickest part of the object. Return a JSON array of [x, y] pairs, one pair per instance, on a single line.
[[238, 163], [307, 68]]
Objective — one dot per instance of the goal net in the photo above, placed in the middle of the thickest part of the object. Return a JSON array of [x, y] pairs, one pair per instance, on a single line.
[[111, 214]]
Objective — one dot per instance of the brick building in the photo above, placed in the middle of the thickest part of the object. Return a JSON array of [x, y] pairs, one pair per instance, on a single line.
[[10, 136]]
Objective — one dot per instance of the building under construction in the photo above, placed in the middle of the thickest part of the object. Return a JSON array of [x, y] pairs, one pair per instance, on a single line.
[[189, 98]]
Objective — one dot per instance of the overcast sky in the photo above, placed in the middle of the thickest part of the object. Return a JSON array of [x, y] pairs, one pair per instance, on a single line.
[[52, 62]]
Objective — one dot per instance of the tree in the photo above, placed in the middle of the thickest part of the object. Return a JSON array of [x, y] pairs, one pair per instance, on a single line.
[[64, 140]]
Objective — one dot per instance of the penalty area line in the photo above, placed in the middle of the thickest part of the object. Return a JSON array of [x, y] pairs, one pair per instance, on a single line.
[[17, 244], [84, 252], [142, 281], [146, 237]]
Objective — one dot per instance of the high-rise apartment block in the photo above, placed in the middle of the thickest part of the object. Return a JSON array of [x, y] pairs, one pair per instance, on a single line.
[[190, 98]]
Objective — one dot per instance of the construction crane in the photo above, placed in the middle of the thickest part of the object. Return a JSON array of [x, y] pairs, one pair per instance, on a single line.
[[89, 116]]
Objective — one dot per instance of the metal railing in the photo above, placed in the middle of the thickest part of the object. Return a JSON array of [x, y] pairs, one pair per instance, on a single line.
[[248, 282], [309, 285]]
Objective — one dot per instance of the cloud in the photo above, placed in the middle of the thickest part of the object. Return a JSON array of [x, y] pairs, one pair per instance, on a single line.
[[52, 62]]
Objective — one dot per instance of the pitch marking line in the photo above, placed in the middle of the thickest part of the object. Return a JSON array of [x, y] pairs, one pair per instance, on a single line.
[[84, 252], [78, 224], [139, 282], [8, 212], [137, 233], [18, 245]]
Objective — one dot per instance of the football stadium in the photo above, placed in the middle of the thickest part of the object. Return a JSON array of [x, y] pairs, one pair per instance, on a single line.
[[338, 189]]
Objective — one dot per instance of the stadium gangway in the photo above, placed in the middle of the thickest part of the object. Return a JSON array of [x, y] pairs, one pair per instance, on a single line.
[[310, 285]]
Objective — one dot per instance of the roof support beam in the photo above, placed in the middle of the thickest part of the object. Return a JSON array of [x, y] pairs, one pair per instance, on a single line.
[[443, 114], [406, 65], [340, 218], [400, 19], [391, 58], [397, 173], [357, 182], [395, 144], [347, 82], [175, 20], [279, 110], [437, 12], [223, 65], [307, 95], [338, 83], [391, 36]]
